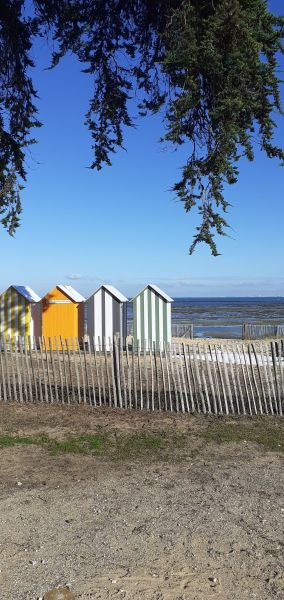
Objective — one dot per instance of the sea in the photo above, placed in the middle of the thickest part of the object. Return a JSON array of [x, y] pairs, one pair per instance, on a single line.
[[224, 317]]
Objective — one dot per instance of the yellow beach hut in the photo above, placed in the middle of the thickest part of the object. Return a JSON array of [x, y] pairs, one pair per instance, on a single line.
[[62, 314], [20, 313]]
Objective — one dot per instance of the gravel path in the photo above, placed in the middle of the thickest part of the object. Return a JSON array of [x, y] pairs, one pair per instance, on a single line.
[[198, 526]]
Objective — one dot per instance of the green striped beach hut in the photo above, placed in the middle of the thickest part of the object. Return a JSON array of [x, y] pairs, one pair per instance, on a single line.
[[151, 317], [20, 313]]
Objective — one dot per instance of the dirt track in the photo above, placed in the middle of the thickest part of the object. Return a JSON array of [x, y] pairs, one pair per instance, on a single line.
[[204, 521]]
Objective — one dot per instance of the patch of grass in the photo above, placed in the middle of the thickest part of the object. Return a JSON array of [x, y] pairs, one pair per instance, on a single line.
[[120, 446], [132, 446], [69, 445], [83, 444], [7, 441], [77, 445], [162, 445], [264, 433], [94, 441]]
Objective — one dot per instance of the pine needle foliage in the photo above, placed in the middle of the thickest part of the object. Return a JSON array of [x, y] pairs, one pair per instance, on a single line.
[[210, 66]]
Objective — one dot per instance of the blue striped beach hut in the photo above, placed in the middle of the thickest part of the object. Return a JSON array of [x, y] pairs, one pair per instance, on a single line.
[[151, 317]]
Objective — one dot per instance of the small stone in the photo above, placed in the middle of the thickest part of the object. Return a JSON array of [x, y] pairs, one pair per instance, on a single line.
[[19, 483], [59, 594]]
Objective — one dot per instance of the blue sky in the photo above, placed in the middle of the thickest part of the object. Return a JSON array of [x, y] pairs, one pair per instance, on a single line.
[[123, 225]]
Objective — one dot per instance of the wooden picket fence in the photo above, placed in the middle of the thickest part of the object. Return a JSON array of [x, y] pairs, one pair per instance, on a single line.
[[235, 378], [252, 331]]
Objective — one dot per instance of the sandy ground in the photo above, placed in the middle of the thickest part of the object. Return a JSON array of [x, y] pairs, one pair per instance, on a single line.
[[204, 523]]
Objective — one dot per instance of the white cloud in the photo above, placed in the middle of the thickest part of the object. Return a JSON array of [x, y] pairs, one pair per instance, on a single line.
[[74, 276]]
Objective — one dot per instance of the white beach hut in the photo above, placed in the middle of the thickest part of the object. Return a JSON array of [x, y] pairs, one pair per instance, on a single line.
[[106, 315]]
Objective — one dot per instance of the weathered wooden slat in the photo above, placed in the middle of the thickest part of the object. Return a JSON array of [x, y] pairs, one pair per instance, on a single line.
[[65, 372], [54, 378], [3, 373], [82, 370], [181, 354], [146, 375], [198, 371], [48, 369], [91, 360], [88, 391], [23, 370], [69, 370], [239, 393], [256, 394], [117, 370], [176, 378], [244, 374], [189, 384], [210, 380], [279, 348], [98, 375], [168, 394], [193, 370], [227, 380], [241, 362], [247, 369], [134, 376], [215, 379], [224, 404], [61, 388], [199, 377], [128, 371], [152, 377], [194, 374], [266, 378], [157, 375], [164, 389], [18, 369], [122, 372], [277, 385], [112, 355], [30, 344], [260, 375], [271, 378], [13, 372], [107, 372], [28, 368], [233, 378], [166, 350], [140, 375], [8, 382], [77, 376], [202, 362], [100, 355]]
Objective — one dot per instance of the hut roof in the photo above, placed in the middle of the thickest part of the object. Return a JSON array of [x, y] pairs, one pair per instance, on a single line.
[[27, 292], [71, 293], [156, 289], [113, 291]]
